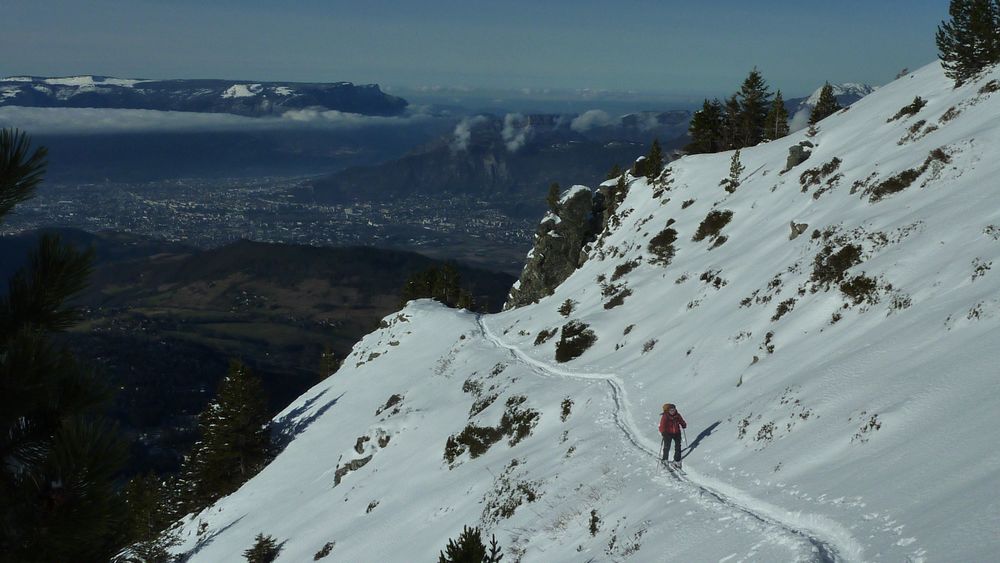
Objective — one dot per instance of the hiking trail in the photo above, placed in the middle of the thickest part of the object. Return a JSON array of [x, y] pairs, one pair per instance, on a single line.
[[827, 540]]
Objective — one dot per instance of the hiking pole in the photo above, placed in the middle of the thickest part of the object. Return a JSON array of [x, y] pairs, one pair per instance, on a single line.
[[685, 432]]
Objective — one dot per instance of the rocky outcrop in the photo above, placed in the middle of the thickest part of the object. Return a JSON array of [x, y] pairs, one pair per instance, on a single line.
[[559, 242], [797, 154]]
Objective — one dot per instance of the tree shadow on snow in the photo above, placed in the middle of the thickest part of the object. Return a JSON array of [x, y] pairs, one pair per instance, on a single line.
[[203, 542], [704, 434], [284, 430]]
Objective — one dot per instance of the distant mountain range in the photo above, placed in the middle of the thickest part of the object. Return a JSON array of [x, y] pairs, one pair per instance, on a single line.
[[240, 97], [513, 156]]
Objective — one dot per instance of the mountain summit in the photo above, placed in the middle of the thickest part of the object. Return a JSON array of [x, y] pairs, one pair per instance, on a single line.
[[828, 331]]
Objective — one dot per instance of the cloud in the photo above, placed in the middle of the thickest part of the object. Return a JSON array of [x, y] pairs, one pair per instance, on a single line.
[[515, 132], [800, 120], [463, 132], [104, 120], [591, 119]]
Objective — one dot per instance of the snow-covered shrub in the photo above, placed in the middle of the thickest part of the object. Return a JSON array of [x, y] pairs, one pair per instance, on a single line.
[[904, 179], [860, 289], [324, 551], [622, 269], [712, 225], [662, 248], [545, 335], [508, 493], [575, 339], [829, 266], [566, 409], [814, 176], [783, 308], [912, 109], [516, 424], [618, 298], [566, 309]]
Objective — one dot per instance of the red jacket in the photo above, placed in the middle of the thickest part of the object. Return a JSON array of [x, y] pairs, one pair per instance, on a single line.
[[672, 423]]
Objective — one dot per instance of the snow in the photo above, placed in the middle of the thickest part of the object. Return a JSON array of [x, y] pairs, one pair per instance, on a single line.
[[571, 193], [284, 91], [242, 90], [84, 81], [866, 439]]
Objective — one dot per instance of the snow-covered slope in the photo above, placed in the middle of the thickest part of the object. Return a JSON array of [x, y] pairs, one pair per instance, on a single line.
[[841, 388]]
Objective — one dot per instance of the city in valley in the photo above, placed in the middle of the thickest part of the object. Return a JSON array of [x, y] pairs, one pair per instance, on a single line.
[[212, 212]]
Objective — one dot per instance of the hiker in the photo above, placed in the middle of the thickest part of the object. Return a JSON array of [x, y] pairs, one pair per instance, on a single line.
[[671, 423]]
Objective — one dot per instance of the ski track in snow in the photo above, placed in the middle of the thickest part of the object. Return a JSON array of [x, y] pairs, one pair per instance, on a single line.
[[823, 549]]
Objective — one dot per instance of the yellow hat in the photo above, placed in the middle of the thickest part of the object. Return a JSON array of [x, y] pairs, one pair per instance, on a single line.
[[667, 406]]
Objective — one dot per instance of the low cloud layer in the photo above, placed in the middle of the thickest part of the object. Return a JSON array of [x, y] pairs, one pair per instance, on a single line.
[[516, 131], [463, 132], [101, 120], [591, 119]]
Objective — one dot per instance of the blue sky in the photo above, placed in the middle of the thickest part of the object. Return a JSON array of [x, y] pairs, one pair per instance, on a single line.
[[677, 47]]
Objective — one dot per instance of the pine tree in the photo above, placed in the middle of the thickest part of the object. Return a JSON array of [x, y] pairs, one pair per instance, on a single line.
[[265, 550], [755, 99], [328, 362], [552, 199], [442, 284], [59, 456], [731, 113], [235, 442], [654, 160], [705, 129], [776, 123], [736, 169], [825, 106], [468, 549], [970, 41], [615, 172]]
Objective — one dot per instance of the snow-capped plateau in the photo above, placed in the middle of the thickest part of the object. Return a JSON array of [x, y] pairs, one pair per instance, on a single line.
[[839, 381], [252, 99]]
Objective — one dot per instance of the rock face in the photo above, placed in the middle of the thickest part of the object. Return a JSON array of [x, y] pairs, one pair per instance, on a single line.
[[559, 243], [797, 154]]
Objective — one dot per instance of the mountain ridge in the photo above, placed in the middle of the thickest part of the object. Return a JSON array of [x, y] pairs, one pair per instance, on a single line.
[[240, 97], [822, 372]]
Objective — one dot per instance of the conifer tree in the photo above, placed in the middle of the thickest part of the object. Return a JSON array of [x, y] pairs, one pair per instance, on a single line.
[[468, 548], [58, 456], [442, 284], [328, 362], [705, 129], [265, 550], [736, 169], [754, 101], [825, 106], [235, 441], [731, 112], [552, 199], [970, 41], [654, 160], [776, 123], [615, 172]]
